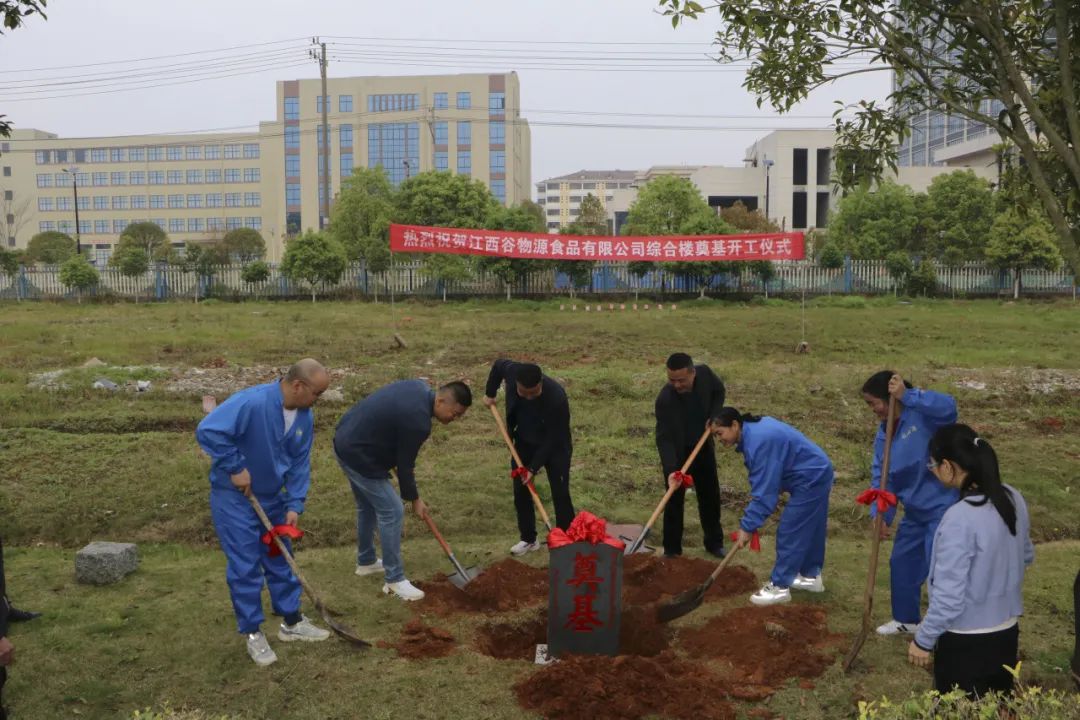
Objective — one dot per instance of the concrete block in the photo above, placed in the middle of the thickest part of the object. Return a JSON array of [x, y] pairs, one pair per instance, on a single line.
[[104, 563]]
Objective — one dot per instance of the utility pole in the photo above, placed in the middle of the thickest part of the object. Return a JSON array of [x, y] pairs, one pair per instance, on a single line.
[[324, 211], [73, 172]]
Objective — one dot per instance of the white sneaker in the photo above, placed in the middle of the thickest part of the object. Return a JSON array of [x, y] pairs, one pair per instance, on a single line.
[[260, 650], [303, 630], [404, 590], [814, 584], [894, 627], [523, 547], [771, 595], [373, 569]]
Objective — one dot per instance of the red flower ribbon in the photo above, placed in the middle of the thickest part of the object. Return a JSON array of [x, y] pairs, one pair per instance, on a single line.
[[685, 479], [755, 540], [883, 498], [586, 527], [280, 531], [521, 472]]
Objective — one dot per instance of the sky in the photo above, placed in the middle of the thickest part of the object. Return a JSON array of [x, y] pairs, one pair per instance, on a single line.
[[582, 64]]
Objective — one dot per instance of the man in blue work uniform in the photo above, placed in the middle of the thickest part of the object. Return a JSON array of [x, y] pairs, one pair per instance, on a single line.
[[260, 443], [919, 414], [384, 431]]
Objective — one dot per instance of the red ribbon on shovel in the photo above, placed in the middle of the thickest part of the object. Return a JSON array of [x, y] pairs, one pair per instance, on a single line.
[[755, 540], [521, 473], [883, 498], [280, 531], [686, 480]]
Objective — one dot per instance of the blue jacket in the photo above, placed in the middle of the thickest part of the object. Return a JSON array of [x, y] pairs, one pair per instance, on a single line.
[[779, 459], [247, 431], [976, 569], [923, 413]]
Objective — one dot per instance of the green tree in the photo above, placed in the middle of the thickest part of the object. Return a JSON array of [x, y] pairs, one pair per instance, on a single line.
[[9, 265], [245, 244], [899, 266], [748, 221], [830, 257], [704, 273], [147, 237], [591, 221], [50, 248], [528, 217], [765, 271], [360, 219], [443, 199], [870, 223], [255, 273], [959, 208], [203, 260], [1018, 243], [79, 275], [947, 55], [131, 261], [314, 258], [923, 280]]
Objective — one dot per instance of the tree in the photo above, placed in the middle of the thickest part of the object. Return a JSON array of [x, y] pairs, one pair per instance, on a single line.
[[870, 223], [959, 208], [9, 265], [360, 219], [765, 271], [591, 221], [78, 274], [899, 266], [923, 280], [245, 245], [1018, 243], [748, 221], [255, 273], [527, 216], [314, 258], [203, 259], [704, 273], [830, 257], [131, 261], [946, 55], [50, 248], [147, 237]]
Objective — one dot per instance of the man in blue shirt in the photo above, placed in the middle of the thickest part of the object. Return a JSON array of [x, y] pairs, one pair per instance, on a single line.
[[384, 431], [260, 443]]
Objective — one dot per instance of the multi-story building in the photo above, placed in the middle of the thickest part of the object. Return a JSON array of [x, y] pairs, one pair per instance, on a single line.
[[561, 196], [199, 186]]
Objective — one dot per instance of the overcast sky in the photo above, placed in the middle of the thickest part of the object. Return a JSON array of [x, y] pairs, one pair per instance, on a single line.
[[80, 33]]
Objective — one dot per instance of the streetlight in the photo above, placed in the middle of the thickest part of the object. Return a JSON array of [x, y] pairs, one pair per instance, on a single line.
[[73, 172], [768, 164]]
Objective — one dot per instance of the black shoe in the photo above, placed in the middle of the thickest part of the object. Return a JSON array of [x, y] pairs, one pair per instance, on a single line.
[[672, 555], [717, 551], [17, 615]]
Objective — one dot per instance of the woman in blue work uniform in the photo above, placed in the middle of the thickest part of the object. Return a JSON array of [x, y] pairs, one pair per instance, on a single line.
[[781, 459], [919, 414]]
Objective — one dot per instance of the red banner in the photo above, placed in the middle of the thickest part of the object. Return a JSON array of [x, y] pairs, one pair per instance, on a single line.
[[542, 246]]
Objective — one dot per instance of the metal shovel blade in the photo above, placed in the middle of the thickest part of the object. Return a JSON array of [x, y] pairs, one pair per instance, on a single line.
[[638, 543], [464, 576], [681, 604]]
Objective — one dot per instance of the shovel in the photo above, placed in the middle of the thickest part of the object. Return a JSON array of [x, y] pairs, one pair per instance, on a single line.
[[691, 599], [340, 629], [636, 545], [463, 575], [517, 459], [875, 544]]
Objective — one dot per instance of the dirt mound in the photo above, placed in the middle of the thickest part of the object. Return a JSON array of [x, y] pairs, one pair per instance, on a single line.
[[627, 687], [421, 641], [640, 633], [505, 586], [765, 646], [647, 578]]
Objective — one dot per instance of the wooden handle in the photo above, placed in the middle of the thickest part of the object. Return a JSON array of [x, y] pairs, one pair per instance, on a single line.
[[672, 488], [723, 563], [697, 448], [879, 519], [284, 550], [437, 534], [517, 459]]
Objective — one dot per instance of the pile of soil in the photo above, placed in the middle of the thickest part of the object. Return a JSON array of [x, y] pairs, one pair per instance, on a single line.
[[648, 578], [420, 641], [627, 687], [766, 646], [503, 587]]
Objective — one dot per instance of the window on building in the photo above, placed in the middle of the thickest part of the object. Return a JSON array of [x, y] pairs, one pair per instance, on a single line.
[[195, 200], [252, 175], [46, 226], [292, 165], [176, 225], [233, 152], [464, 133], [497, 103], [194, 177], [136, 177], [82, 178], [442, 133], [174, 152], [85, 227], [101, 179], [214, 200], [101, 202], [117, 154], [41, 157], [255, 223], [213, 175], [319, 137], [232, 175], [319, 104], [252, 199], [822, 210], [292, 108], [84, 203], [215, 224], [497, 132], [176, 202], [157, 201], [120, 202], [63, 179], [119, 226], [99, 155], [344, 103], [101, 227], [464, 101], [498, 189], [135, 154], [498, 161], [442, 161], [44, 204], [251, 151], [824, 166], [64, 203], [138, 202], [118, 178], [292, 222], [44, 180], [155, 154], [195, 225], [174, 177], [234, 223], [345, 135], [464, 162], [798, 210], [292, 193], [346, 164], [442, 101], [292, 137], [193, 152], [234, 199], [155, 177], [393, 103], [7, 171], [212, 152], [799, 158], [390, 145]]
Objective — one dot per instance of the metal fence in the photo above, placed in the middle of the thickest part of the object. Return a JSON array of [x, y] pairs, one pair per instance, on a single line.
[[410, 280]]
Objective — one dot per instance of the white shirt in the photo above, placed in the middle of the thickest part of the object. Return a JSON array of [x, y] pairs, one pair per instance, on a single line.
[[290, 418]]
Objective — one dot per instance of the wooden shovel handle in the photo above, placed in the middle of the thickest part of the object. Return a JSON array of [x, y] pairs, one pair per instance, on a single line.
[[517, 459], [879, 519], [672, 488], [284, 550], [437, 534]]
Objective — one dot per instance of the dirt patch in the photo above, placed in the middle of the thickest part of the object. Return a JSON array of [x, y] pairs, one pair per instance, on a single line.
[[419, 641], [640, 633], [765, 646], [648, 578], [503, 587], [1050, 424], [627, 687]]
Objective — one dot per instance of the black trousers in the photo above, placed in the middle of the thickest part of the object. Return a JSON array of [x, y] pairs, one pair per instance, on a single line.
[[1076, 629], [3, 679], [558, 474], [976, 663], [707, 489]]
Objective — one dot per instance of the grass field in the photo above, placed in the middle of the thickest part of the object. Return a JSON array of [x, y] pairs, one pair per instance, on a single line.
[[81, 464]]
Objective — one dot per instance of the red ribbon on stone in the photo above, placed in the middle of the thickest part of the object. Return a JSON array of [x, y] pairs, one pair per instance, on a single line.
[[686, 480], [586, 527], [755, 540], [883, 498], [280, 531]]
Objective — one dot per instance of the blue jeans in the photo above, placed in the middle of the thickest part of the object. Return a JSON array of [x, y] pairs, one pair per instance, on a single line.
[[910, 562], [377, 505]]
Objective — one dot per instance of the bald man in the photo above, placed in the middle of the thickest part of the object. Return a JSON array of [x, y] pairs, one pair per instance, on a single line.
[[260, 443]]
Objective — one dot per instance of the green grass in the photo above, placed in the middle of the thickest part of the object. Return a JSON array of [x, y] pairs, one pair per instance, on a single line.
[[80, 464]]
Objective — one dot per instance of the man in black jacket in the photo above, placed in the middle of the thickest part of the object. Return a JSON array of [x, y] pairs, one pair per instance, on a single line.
[[692, 395], [538, 418], [7, 651]]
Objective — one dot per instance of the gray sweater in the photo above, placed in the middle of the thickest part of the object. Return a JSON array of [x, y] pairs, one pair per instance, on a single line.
[[976, 569]]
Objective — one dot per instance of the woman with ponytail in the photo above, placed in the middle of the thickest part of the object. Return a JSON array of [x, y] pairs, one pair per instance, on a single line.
[[981, 549], [781, 459]]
